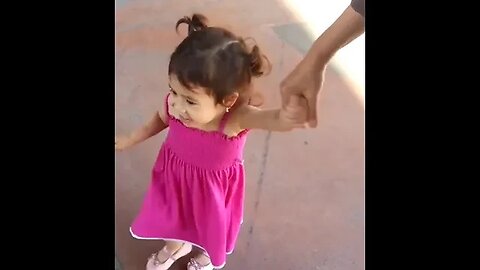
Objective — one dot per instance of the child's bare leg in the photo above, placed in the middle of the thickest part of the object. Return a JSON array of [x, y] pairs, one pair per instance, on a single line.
[[169, 248], [163, 259], [203, 258]]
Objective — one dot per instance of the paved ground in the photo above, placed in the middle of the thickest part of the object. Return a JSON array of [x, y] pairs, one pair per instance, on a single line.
[[305, 189]]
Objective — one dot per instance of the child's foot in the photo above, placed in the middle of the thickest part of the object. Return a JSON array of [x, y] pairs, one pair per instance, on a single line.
[[163, 259], [200, 262]]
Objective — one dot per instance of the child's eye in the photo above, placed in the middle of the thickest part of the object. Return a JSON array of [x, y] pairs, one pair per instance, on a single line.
[[173, 92], [190, 102]]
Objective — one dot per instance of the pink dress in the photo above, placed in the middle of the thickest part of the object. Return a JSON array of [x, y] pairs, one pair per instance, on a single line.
[[197, 190]]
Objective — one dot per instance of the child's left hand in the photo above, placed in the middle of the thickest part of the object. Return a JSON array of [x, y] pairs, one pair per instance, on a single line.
[[294, 115]]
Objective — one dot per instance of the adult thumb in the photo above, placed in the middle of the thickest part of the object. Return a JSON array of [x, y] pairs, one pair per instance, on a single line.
[[285, 94], [294, 101], [312, 111]]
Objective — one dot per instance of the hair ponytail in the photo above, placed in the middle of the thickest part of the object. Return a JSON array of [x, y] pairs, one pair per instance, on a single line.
[[196, 23]]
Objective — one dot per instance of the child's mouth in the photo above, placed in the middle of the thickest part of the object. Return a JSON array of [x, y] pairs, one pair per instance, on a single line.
[[183, 119]]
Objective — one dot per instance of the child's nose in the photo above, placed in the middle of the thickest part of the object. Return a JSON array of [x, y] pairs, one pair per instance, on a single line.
[[181, 107]]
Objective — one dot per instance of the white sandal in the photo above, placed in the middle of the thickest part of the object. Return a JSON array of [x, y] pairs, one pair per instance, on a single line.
[[194, 265], [155, 264]]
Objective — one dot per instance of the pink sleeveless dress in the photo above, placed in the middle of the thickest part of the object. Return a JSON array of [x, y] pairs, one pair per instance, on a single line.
[[196, 194]]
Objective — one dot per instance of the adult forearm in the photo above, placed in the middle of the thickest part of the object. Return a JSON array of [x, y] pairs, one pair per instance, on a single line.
[[346, 28]]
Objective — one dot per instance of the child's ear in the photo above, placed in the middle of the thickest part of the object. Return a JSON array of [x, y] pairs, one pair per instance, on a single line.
[[230, 100]]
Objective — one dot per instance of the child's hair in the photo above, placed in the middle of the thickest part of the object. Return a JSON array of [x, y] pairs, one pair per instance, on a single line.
[[215, 59]]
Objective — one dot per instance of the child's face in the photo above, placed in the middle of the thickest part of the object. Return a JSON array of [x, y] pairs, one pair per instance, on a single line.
[[192, 107]]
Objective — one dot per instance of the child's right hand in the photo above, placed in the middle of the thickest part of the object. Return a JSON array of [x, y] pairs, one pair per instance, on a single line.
[[122, 142], [294, 115]]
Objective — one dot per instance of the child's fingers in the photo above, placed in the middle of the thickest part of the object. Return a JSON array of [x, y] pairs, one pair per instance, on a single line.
[[296, 111], [298, 122], [300, 125], [299, 109], [299, 106], [303, 102], [294, 101], [297, 103]]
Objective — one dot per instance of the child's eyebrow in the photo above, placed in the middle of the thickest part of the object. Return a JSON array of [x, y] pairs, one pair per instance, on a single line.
[[185, 96]]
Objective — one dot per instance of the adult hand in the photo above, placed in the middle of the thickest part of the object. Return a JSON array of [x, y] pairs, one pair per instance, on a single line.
[[305, 81]]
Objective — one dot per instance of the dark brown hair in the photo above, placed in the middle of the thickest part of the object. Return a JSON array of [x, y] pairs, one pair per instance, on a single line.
[[215, 59]]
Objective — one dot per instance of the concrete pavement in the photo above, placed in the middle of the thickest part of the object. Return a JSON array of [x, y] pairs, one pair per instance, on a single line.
[[305, 189]]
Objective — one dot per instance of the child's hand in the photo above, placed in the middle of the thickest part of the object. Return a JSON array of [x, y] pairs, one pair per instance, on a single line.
[[294, 115], [122, 142]]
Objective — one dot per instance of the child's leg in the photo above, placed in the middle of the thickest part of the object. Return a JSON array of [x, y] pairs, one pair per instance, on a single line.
[[170, 248], [164, 258], [202, 258]]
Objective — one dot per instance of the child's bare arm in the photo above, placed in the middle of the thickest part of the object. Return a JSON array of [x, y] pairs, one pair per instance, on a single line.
[[294, 115], [149, 129]]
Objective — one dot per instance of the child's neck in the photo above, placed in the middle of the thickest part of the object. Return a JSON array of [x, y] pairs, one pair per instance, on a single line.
[[213, 125]]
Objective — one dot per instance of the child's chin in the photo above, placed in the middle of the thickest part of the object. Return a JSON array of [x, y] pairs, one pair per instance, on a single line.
[[187, 122], [183, 120]]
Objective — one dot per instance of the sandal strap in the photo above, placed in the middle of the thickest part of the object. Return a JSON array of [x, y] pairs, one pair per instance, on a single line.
[[156, 261], [176, 251], [193, 263]]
